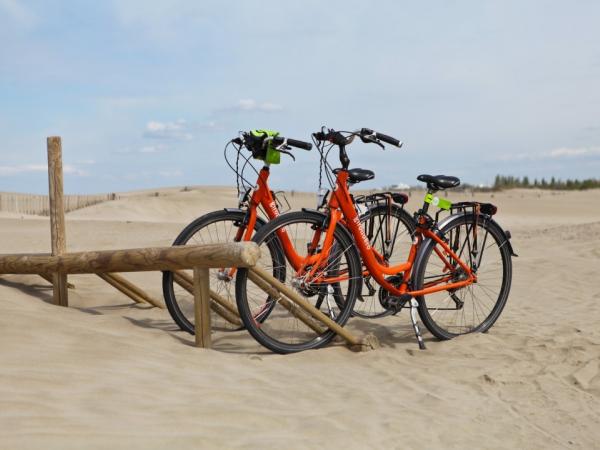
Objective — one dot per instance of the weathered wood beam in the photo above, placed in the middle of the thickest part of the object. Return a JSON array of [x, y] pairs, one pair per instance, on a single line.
[[132, 295], [294, 309], [234, 254], [202, 307], [368, 342], [129, 289], [57, 217]]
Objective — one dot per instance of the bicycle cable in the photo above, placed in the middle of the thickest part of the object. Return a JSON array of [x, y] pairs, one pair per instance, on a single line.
[[240, 178]]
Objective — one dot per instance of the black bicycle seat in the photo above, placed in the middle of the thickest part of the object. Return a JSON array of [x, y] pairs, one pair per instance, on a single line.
[[358, 175], [439, 182]]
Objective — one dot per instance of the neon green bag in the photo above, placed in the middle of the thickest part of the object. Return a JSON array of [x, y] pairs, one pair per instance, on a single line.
[[270, 155]]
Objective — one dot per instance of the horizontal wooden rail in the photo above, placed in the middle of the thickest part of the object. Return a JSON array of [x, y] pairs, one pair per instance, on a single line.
[[234, 254]]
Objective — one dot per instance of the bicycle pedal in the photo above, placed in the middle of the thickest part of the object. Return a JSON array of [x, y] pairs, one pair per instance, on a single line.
[[396, 303]]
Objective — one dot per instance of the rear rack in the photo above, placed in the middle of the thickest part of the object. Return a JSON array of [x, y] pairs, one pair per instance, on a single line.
[[487, 209], [484, 208], [382, 198]]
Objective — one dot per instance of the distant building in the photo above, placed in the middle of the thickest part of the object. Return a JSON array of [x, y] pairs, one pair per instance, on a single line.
[[399, 187]]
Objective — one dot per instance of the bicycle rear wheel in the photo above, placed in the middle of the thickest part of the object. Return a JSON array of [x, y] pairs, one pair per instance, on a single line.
[[390, 231], [481, 244], [333, 289]]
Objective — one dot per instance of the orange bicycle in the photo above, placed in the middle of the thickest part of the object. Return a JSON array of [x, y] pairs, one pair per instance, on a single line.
[[456, 275], [232, 224]]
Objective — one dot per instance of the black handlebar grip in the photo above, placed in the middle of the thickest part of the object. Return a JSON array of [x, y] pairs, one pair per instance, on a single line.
[[388, 139], [299, 144], [278, 140]]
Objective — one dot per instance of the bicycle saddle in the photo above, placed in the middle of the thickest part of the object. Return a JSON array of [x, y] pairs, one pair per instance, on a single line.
[[358, 175], [439, 182]]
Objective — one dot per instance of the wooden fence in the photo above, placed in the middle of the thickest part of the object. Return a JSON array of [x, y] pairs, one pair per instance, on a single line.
[[57, 265], [38, 204]]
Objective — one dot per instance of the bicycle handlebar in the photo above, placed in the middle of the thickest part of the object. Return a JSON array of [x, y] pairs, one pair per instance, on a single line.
[[366, 134], [382, 137], [277, 140], [292, 142]]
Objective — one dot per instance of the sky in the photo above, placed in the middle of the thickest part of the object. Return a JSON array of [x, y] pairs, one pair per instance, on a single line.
[[146, 93]]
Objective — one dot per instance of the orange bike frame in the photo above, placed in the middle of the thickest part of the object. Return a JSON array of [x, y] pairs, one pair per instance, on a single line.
[[342, 209], [263, 196]]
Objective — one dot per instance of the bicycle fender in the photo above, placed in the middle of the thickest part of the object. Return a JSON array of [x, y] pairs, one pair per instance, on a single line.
[[259, 220], [490, 219], [505, 233]]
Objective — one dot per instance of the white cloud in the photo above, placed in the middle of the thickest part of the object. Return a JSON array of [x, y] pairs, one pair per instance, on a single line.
[[567, 152], [557, 153], [250, 104], [208, 126], [180, 130], [16, 170], [158, 148], [72, 170], [31, 168], [177, 131]]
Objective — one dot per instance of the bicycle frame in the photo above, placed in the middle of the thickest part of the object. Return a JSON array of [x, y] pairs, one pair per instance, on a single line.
[[342, 210], [261, 196]]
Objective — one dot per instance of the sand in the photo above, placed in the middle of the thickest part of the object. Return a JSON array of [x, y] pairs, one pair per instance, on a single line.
[[106, 373]]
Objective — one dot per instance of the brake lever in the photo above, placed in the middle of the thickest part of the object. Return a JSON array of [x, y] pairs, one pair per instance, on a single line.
[[371, 140], [287, 153]]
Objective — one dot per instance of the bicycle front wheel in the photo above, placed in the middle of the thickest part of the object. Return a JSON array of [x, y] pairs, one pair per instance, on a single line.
[[213, 228], [481, 244], [332, 288]]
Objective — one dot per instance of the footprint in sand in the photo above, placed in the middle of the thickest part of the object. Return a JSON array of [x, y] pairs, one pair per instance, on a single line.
[[584, 376]]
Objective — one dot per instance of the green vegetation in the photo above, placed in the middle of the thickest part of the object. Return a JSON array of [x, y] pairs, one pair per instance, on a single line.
[[509, 182]]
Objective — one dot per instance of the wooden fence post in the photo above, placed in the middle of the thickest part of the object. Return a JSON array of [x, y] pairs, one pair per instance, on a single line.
[[57, 216], [202, 307]]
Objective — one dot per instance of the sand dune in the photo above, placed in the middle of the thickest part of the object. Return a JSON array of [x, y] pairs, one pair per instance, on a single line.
[[108, 374]]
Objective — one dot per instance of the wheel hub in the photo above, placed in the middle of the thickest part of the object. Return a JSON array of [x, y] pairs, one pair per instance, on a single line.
[[223, 275]]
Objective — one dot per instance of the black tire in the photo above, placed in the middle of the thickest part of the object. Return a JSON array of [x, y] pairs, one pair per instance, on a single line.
[[476, 307], [180, 302], [370, 305], [282, 331]]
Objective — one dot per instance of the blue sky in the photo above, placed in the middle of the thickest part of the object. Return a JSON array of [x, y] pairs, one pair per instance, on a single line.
[[146, 93]]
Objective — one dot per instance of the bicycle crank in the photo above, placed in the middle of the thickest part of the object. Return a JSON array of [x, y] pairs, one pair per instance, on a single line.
[[393, 303], [396, 302]]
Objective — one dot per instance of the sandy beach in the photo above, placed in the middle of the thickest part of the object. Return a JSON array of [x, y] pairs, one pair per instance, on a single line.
[[107, 373]]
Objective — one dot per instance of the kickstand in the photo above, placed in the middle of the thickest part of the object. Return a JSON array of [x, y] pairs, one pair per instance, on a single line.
[[413, 317]]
